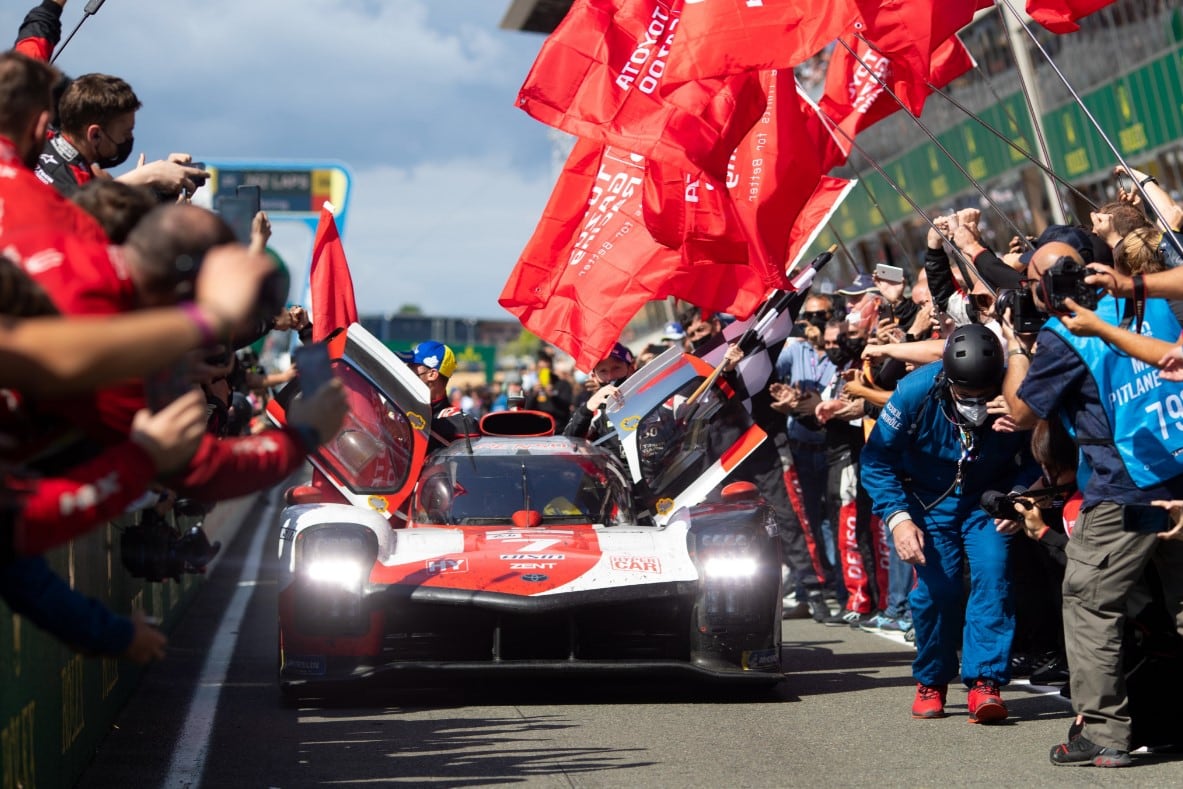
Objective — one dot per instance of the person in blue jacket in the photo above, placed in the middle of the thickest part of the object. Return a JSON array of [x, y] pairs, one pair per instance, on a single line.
[[933, 452]]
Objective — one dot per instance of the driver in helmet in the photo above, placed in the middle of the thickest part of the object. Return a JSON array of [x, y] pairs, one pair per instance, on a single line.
[[933, 452]]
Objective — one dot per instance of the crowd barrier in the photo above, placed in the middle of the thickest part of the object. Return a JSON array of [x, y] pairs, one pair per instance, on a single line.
[[57, 705]]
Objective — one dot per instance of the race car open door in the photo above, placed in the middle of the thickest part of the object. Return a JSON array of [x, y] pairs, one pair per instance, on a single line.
[[375, 459], [681, 438]]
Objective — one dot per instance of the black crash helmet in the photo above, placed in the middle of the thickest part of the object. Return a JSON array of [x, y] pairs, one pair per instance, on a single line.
[[973, 357]]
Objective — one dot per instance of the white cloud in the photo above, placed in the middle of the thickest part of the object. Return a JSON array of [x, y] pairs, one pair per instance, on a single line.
[[415, 96], [443, 237]]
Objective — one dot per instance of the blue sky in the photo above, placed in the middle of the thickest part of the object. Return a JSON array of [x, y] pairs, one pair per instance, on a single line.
[[416, 97]]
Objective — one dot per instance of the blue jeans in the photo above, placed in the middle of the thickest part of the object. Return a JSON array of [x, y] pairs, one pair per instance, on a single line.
[[984, 626]]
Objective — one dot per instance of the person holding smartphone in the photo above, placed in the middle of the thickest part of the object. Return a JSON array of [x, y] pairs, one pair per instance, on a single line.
[[896, 309]]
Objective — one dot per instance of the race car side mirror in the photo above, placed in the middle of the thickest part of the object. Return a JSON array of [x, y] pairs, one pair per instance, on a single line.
[[527, 519], [740, 491]]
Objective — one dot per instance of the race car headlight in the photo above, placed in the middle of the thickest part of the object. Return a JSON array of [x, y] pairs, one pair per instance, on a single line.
[[345, 573], [336, 555], [721, 567]]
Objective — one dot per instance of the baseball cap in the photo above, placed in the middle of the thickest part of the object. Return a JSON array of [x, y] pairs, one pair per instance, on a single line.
[[1075, 237], [862, 284], [673, 331], [622, 353], [432, 354]]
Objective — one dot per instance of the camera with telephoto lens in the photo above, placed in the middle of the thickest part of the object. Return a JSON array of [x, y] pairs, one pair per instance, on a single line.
[[1065, 280], [1002, 505], [1025, 316], [154, 550]]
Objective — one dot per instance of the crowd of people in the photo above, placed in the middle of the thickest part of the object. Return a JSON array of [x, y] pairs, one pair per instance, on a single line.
[[982, 456], [127, 319], [987, 463]]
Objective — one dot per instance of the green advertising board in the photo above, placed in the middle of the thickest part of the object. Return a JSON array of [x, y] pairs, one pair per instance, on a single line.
[[1140, 111]]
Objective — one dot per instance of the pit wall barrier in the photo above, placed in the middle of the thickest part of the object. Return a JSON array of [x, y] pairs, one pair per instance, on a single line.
[[56, 705]]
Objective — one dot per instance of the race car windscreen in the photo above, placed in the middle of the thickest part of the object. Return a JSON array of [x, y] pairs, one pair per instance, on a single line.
[[372, 451], [564, 489]]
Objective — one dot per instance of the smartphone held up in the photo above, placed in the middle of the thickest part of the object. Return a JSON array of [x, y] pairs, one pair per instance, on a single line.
[[314, 368]]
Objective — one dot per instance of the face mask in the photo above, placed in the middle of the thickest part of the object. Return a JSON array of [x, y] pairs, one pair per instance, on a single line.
[[839, 356], [974, 411], [853, 347], [122, 152]]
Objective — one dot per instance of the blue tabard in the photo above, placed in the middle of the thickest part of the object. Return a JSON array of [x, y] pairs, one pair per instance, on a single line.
[[1145, 412]]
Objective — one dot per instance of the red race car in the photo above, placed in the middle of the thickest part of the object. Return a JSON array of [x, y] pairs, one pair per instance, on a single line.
[[516, 551]]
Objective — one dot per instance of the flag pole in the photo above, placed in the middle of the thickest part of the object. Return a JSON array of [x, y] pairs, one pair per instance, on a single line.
[[928, 132], [1092, 119], [963, 264], [768, 312], [1014, 145], [900, 241], [845, 250], [1030, 88]]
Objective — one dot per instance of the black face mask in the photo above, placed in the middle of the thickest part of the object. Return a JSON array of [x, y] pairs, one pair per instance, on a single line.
[[852, 347], [839, 356], [122, 152]]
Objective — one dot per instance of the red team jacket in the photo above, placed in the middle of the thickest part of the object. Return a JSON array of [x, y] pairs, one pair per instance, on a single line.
[[64, 250]]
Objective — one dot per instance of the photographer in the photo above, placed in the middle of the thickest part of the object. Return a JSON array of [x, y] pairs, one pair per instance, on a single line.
[[1138, 255], [1046, 513], [1078, 379], [148, 274]]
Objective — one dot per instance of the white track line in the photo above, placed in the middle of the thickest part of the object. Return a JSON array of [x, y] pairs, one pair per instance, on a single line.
[[188, 761]]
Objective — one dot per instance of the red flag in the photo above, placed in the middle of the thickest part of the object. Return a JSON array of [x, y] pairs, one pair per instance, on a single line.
[[854, 96], [333, 305], [908, 33], [600, 75], [777, 168], [591, 264], [1059, 16], [770, 206], [694, 214], [732, 36], [826, 197]]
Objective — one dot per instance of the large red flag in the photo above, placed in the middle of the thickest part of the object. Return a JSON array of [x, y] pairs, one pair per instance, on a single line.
[[854, 96], [777, 168], [908, 32], [696, 215], [731, 36], [815, 215], [333, 305], [600, 76], [769, 207], [591, 263], [1060, 16]]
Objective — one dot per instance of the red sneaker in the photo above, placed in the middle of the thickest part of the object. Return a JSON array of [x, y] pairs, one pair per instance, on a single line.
[[930, 701], [985, 702]]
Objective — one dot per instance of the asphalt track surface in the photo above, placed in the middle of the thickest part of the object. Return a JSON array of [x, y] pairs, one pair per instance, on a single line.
[[211, 716]]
